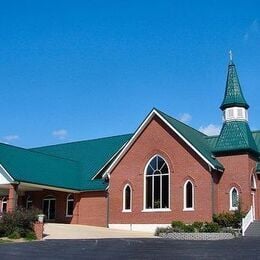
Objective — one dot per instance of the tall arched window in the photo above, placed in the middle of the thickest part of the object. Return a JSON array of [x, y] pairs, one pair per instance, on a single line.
[[188, 195], [234, 198], [127, 198], [4, 205], [156, 184], [69, 205]]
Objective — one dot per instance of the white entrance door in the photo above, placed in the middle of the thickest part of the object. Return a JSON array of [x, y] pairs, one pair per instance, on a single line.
[[49, 206]]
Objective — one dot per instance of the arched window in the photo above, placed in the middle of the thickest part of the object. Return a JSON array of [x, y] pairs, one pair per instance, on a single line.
[[69, 205], [156, 184], [4, 205], [127, 198], [188, 197], [253, 182], [29, 202], [234, 198]]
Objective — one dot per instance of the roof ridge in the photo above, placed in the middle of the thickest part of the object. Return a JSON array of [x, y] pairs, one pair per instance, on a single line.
[[74, 142]]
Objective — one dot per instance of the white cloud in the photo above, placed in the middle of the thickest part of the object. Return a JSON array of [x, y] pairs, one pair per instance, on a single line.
[[9, 138], [253, 29], [60, 134], [210, 129], [185, 117]]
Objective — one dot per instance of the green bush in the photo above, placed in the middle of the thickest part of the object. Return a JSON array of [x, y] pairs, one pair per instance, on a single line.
[[178, 226], [229, 219], [30, 236], [198, 226], [188, 229], [210, 227], [18, 222], [15, 235]]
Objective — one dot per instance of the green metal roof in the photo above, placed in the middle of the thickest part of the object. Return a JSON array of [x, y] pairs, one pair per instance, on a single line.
[[233, 93], [68, 166], [235, 136], [32, 167], [92, 155], [196, 138]]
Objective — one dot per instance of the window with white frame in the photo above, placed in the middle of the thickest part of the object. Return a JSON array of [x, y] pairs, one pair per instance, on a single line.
[[29, 202], [127, 198], [156, 184], [234, 198], [4, 205], [188, 195], [253, 182], [70, 205]]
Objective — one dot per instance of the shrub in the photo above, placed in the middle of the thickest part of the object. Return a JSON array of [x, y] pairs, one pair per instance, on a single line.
[[210, 227], [178, 226], [198, 226], [188, 229], [18, 222], [229, 219], [30, 236], [15, 235]]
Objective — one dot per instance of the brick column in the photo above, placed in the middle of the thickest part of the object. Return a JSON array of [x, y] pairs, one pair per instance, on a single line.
[[75, 217], [12, 197]]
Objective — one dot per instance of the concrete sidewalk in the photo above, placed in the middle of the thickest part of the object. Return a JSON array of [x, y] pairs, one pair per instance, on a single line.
[[70, 231]]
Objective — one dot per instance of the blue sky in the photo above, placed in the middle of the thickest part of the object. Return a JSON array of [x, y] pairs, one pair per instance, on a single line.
[[73, 70]]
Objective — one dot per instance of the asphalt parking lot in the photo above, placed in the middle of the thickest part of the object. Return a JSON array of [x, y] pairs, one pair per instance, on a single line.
[[132, 248]]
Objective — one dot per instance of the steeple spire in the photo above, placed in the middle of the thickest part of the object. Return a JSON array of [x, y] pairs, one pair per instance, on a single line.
[[233, 94]]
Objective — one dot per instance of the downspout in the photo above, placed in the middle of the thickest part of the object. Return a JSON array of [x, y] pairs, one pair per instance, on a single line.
[[212, 193]]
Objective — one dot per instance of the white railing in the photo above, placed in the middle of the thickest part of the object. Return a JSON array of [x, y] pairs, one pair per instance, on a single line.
[[247, 220]]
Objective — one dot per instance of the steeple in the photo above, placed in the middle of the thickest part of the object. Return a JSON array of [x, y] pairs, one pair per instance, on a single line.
[[235, 135], [234, 105], [233, 94]]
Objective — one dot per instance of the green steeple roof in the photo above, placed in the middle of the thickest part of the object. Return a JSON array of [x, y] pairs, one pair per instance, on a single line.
[[233, 94], [235, 136]]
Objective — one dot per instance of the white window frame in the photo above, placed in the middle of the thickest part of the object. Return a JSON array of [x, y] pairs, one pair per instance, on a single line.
[[231, 199], [144, 189], [67, 204], [124, 198], [28, 200], [236, 113], [3, 201], [185, 196]]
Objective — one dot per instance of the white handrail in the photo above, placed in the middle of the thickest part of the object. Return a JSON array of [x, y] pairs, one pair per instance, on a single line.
[[247, 220]]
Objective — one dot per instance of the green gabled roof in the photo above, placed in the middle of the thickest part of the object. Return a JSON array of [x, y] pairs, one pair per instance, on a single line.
[[92, 155], [31, 167], [235, 136], [233, 93], [196, 138], [256, 136]]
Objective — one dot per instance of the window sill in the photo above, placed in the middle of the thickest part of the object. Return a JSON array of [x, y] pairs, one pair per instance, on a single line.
[[126, 210], [69, 216], [188, 209], [156, 210], [233, 209]]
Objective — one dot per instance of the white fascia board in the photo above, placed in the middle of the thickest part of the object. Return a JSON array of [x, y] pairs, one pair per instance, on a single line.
[[129, 143], [47, 187], [140, 129], [5, 177], [111, 159], [186, 141]]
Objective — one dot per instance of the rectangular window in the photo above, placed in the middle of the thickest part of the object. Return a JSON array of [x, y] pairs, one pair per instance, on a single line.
[[149, 192]]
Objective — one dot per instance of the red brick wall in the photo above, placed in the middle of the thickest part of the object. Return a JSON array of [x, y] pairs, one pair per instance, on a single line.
[[238, 171], [89, 208], [93, 209], [183, 163]]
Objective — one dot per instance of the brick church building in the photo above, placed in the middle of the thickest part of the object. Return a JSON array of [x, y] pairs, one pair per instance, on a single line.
[[165, 171]]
